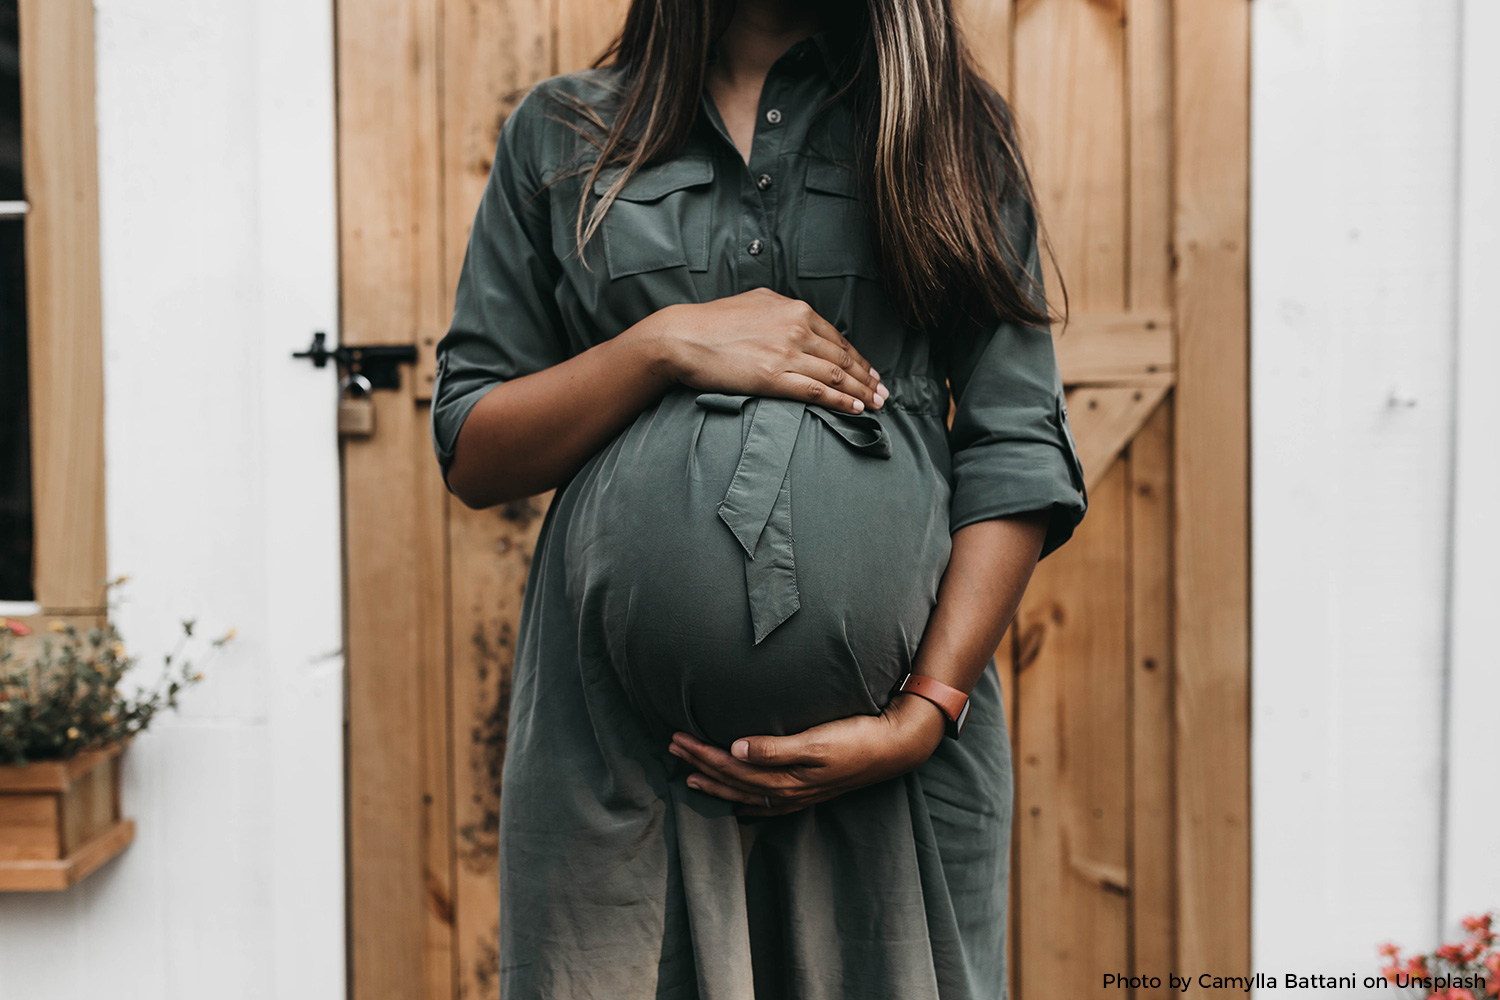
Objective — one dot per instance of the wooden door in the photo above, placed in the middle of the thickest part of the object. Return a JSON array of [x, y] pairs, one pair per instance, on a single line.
[[1126, 672]]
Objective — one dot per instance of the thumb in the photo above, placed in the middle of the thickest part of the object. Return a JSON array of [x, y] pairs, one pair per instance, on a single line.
[[774, 751]]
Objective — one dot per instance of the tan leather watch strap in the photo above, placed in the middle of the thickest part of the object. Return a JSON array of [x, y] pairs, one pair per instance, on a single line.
[[953, 702]]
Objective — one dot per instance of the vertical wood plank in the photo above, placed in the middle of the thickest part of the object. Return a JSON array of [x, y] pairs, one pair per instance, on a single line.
[[1072, 757], [1152, 810], [1211, 103], [387, 683], [431, 588], [390, 232], [987, 28], [1149, 90], [490, 554], [583, 29], [1070, 100], [63, 302], [493, 53]]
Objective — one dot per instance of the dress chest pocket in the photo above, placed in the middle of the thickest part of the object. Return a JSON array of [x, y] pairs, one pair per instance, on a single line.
[[835, 235], [660, 218]]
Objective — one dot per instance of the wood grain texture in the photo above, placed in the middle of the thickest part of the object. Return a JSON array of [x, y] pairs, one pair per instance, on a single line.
[[493, 53], [63, 873], [1069, 73], [30, 828], [66, 356], [1105, 348], [431, 588], [987, 27], [89, 807], [583, 29], [1104, 420], [53, 775], [59, 820], [391, 267], [1071, 753], [1148, 59], [1153, 883], [490, 556], [1211, 557]]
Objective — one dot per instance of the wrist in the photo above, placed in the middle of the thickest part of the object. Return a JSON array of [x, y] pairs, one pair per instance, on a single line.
[[657, 350], [918, 722]]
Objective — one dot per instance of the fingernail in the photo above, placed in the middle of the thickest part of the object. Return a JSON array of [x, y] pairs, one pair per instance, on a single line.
[[694, 783], [741, 749], [674, 750], [883, 389], [859, 406], [874, 374]]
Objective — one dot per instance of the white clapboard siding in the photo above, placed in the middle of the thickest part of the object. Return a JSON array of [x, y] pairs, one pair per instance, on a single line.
[[1472, 862], [216, 170], [1354, 144]]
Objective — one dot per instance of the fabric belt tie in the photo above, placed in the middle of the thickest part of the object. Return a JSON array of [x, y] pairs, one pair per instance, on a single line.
[[758, 506]]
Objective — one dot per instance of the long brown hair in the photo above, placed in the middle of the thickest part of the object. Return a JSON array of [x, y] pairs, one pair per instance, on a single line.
[[937, 154]]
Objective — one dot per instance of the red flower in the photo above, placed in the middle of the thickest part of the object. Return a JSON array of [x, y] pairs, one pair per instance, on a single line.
[[14, 628]]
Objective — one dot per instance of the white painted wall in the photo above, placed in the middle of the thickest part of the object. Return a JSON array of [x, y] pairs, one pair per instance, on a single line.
[[216, 169], [1472, 864], [1367, 290]]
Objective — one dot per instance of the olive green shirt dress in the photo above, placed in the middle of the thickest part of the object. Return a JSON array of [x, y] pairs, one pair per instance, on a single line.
[[733, 565]]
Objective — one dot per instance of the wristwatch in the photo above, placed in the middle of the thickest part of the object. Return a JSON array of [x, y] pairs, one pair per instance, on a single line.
[[953, 702]]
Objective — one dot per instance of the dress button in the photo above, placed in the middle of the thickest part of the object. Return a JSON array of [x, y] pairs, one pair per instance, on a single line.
[[755, 247], [763, 181], [773, 116]]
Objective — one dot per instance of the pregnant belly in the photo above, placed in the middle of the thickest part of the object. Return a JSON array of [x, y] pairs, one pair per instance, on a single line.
[[756, 566]]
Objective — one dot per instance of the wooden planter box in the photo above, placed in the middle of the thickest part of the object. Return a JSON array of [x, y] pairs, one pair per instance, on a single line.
[[60, 820]]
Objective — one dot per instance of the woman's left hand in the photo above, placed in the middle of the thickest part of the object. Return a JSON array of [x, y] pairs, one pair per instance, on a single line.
[[775, 775]]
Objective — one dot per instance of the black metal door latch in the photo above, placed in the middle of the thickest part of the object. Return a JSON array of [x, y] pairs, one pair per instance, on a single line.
[[376, 363]]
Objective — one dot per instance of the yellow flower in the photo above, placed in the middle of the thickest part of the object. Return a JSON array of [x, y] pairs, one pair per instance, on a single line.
[[57, 626], [72, 732], [197, 677], [230, 634], [119, 580], [118, 648]]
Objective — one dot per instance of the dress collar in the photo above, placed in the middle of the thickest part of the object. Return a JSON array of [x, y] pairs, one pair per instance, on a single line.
[[818, 47]]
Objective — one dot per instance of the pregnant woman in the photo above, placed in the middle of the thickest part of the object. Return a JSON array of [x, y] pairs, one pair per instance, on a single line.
[[718, 294]]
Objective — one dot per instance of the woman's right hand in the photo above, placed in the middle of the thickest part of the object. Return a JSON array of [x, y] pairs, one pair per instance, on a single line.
[[761, 343]]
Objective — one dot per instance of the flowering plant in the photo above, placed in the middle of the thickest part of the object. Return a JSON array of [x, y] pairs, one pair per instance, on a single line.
[[67, 698], [1469, 970]]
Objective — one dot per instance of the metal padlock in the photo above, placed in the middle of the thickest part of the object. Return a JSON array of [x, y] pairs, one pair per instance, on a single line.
[[356, 408]]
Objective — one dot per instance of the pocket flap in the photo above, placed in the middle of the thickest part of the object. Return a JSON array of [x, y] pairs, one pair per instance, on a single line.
[[722, 402], [658, 180], [831, 178]]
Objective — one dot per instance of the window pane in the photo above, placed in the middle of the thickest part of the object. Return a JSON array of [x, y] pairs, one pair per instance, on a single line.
[[15, 423]]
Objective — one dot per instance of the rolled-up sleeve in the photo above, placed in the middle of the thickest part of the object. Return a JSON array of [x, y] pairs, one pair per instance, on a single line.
[[1013, 451], [506, 322]]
